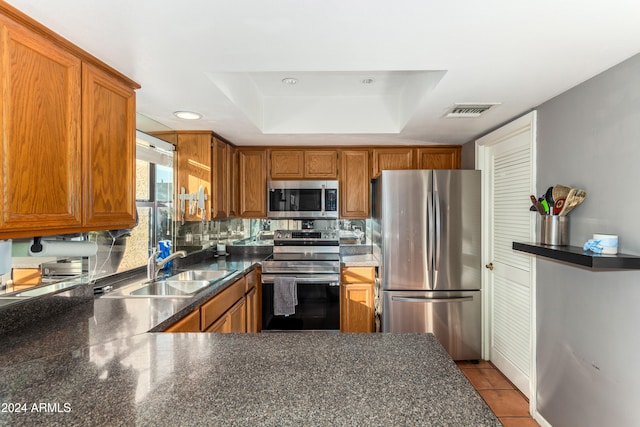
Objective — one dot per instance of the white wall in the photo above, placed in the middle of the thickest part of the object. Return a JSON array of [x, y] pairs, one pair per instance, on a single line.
[[588, 322]]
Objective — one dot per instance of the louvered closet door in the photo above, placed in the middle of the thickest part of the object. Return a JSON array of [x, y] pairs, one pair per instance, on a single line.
[[510, 175]]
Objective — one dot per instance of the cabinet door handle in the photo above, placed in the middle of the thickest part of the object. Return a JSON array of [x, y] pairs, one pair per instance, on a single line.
[[489, 266]]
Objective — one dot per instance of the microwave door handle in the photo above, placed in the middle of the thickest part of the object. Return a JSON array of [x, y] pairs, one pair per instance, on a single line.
[[322, 200]]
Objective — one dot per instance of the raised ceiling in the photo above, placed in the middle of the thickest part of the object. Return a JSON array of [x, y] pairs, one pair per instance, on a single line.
[[226, 60]]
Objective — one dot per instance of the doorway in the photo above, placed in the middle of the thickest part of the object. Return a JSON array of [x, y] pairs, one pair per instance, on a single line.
[[507, 158]]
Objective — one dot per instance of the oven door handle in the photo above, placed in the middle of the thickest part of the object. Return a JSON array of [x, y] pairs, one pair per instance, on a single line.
[[431, 300], [332, 280]]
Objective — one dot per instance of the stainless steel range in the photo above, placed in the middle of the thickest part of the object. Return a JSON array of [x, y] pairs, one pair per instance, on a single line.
[[307, 263]]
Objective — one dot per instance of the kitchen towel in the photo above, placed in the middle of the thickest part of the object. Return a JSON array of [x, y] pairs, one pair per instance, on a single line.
[[285, 295]]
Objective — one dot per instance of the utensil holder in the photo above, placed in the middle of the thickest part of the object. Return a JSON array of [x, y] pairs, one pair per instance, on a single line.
[[554, 230]]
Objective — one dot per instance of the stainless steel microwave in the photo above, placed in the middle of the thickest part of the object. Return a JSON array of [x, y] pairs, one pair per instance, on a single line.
[[302, 199]]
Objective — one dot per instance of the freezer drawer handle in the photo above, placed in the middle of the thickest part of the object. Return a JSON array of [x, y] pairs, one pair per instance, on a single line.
[[425, 299]]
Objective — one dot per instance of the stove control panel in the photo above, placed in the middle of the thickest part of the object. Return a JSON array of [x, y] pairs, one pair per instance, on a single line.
[[306, 235]]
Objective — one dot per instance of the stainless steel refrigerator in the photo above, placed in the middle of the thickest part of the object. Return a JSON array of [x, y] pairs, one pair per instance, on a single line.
[[427, 238]]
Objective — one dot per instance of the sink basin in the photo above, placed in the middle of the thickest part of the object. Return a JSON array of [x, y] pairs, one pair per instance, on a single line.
[[9, 300], [208, 275], [174, 288], [181, 285], [42, 290]]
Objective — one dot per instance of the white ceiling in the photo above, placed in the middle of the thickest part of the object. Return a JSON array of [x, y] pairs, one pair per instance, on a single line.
[[226, 59]]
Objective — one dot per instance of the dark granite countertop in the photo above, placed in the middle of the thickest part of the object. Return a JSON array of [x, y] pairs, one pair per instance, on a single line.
[[96, 364]]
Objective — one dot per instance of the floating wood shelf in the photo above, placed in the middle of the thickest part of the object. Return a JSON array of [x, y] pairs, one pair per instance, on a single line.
[[578, 256]]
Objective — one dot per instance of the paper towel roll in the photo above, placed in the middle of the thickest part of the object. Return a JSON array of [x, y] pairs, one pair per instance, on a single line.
[[59, 248]]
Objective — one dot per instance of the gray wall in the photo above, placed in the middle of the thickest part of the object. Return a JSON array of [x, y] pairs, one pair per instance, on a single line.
[[469, 155], [588, 323]]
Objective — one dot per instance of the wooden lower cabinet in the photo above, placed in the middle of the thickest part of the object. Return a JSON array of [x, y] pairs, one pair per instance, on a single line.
[[253, 297], [356, 299], [252, 312], [189, 323], [234, 320], [217, 306], [235, 309]]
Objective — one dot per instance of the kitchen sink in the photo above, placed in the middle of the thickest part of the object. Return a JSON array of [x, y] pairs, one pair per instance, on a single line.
[[9, 300], [42, 290], [174, 288], [182, 285], [208, 275]]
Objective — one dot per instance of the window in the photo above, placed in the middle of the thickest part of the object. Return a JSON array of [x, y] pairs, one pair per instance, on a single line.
[[127, 249]]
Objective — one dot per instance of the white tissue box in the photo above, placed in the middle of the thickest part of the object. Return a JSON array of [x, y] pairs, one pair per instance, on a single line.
[[608, 243]]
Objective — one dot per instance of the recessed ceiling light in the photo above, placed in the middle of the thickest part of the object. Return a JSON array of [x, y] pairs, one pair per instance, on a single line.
[[187, 115], [367, 81], [289, 80]]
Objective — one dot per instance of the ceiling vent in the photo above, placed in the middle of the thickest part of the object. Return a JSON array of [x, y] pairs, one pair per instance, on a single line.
[[469, 110]]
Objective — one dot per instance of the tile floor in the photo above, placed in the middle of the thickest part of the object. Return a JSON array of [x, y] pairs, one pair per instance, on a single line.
[[509, 405]]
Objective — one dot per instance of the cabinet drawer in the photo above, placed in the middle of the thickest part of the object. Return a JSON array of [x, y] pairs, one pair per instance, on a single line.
[[357, 275], [218, 305]]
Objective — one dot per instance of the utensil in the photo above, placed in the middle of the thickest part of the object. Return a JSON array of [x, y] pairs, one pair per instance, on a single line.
[[545, 206], [548, 196], [537, 205], [574, 198], [560, 192], [558, 205], [567, 201]]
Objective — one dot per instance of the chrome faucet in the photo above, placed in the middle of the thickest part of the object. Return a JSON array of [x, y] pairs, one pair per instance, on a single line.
[[153, 266]]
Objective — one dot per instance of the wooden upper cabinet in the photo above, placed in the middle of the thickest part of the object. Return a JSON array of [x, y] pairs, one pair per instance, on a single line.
[[354, 183], [303, 164], [447, 157], [320, 164], [108, 151], [252, 182], [41, 130], [232, 168], [221, 179], [170, 136], [193, 170], [287, 164], [392, 158], [67, 159]]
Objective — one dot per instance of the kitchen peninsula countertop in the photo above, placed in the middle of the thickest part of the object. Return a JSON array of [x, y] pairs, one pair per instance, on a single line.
[[96, 364], [363, 260]]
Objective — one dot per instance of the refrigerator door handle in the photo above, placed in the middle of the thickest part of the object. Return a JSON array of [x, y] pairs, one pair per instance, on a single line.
[[431, 230], [431, 300], [436, 202]]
